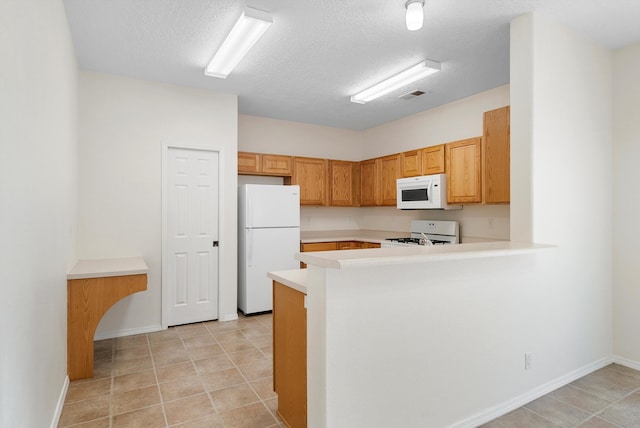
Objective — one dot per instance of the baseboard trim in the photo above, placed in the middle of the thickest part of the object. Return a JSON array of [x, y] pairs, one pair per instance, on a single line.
[[626, 362], [63, 395], [127, 332], [506, 407], [228, 317]]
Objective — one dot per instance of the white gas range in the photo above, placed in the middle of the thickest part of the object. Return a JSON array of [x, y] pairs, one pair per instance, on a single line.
[[427, 232]]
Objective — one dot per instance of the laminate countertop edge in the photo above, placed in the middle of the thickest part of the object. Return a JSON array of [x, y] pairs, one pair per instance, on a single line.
[[101, 268], [377, 236], [344, 259], [296, 278]]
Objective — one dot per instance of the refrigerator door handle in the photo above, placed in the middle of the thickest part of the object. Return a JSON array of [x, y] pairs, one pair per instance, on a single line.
[[249, 247]]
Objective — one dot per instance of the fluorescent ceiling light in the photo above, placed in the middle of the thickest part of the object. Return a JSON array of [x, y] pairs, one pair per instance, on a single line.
[[245, 33], [415, 15], [414, 73]]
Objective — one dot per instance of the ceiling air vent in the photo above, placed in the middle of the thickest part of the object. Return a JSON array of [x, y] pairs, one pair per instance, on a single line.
[[412, 94]]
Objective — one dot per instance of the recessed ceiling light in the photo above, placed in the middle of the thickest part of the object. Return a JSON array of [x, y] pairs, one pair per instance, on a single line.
[[404, 78], [245, 33]]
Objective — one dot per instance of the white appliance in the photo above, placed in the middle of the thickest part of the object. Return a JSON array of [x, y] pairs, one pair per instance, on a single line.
[[268, 239], [427, 232], [426, 192]]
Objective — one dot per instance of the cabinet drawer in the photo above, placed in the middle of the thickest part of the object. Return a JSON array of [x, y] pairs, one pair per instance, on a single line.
[[318, 246]]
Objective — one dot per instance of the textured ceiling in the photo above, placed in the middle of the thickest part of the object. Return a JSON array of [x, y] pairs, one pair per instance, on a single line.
[[318, 53]]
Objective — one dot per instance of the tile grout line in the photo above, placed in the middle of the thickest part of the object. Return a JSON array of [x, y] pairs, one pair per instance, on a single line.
[[112, 378], [155, 374], [260, 400], [239, 370], [610, 405], [213, 406]]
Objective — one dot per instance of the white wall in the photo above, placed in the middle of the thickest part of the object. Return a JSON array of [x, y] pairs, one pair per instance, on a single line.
[[38, 208], [453, 327], [263, 135], [562, 132], [123, 125], [626, 208], [566, 142]]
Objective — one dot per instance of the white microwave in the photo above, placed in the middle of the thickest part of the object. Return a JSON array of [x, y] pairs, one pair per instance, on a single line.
[[427, 192]]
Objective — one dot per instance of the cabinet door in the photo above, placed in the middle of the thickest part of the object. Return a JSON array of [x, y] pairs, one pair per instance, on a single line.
[[389, 172], [276, 164], [370, 245], [433, 160], [412, 163], [341, 183], [349, 245], [464, 184], [318, 246], [290, 354], [369, 183], [496, 156], [248, 163], [311, 175]]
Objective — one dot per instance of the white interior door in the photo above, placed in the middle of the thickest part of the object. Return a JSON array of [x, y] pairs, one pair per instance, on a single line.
[[190, 280]]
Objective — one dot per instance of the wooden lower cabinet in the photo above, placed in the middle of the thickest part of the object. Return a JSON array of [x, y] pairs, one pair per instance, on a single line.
[[316, 246], [370, 245], [349, 245], [290, 354]]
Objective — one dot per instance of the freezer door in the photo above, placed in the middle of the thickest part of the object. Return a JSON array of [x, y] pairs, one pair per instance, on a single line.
[[264, 250], [270, 206]]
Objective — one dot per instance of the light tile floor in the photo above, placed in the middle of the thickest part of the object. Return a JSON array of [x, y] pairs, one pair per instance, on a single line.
[[219, 375], [212, 374], [606, 398]]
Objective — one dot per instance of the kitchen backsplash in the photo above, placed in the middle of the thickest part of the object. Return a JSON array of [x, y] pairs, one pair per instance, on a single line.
[[477, 222]]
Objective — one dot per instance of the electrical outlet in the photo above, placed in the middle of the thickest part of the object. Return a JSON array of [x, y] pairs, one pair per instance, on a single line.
[[528, 360]]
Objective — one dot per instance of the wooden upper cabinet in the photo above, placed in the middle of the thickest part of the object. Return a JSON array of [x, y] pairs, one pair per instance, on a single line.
[[464, 179], [264, 164], [411, 163], [248, 163], [389, 170], [496, 160], [369, 183], [344, 183], [433, 160], [311, 175], [276, 165]]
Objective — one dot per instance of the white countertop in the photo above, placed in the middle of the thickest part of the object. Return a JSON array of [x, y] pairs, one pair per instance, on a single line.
[[99, 268], [349, 235], [296, 279], [416, 254]]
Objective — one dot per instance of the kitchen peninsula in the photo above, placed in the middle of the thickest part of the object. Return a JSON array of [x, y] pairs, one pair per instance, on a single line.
[[392, 333]]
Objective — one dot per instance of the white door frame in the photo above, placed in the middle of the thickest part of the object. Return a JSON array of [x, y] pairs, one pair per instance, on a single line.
[[165, 157]]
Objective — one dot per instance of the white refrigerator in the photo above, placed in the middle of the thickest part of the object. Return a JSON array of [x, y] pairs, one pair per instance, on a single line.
[[268, 238]]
